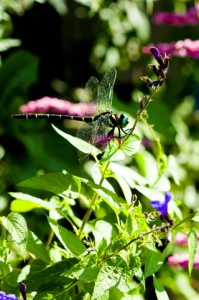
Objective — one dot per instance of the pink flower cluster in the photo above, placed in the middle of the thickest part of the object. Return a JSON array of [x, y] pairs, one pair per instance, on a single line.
[[182, 259], [190, 17], [54, 105], [180, 48]]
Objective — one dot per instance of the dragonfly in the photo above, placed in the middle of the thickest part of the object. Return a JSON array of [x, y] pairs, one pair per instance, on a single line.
[[98, 129]]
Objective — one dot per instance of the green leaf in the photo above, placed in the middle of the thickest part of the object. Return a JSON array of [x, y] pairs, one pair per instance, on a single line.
[[5, 44], [159, 290], [128, 174], [192, 246], [107, 278], [49, 279], [113, 152], [149, 193], [68, 239], [57, 183], [80, 144], [17, 227], [108, 196], [131, 145], [25, 203], [36, 247], [196, 216], [152, 262], [125, 188]]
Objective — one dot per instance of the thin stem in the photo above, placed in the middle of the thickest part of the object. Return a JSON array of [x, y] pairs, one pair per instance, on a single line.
[[139, 114], [135, 239], [50, 237], [89, 210]]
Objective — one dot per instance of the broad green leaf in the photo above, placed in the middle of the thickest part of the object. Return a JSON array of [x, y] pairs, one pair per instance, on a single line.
[[5, 269], [192, 246], [48, 279], [108, 196], [106, 279], [89, 274], [103, 230], [80, 144], [129, 175], [159, 290], [173, 169], [149, 193], [125, 188], [68, 239], [113, 152], [17, 227], [25, 202], [131, 145], [152, 262], [57, 183], [36, 247]]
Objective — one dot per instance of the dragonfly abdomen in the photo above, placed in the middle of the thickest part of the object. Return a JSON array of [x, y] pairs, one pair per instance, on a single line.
[[52, 117]]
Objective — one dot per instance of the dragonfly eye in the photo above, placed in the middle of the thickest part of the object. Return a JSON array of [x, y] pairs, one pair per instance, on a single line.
[[123, 121]]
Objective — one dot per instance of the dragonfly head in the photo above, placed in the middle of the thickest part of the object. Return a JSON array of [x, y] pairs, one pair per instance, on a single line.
[[123, 121]]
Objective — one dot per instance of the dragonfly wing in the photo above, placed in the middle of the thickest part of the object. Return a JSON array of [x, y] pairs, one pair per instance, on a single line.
[[105, 93], [85, 132], [92, 89], [94, 133]]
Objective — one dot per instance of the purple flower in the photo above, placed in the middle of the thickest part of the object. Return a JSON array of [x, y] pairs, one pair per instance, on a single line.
[[3, 296], [162, 206]]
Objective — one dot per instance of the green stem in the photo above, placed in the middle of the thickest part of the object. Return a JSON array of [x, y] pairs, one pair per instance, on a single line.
[[139, 114], [50, 238], [90, 209], [159, 228]]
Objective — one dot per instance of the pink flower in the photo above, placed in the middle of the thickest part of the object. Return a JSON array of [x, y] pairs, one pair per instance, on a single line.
[[180, 48], [54, 105], [181, 239], [182, 260], [190, 17]]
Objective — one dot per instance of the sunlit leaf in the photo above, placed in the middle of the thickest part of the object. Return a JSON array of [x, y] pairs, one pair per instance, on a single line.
[[25, 203], [57, 183], [159, 290], [79, 143], [152, 262], [68, 239], [192, 246], [16, 225], [36, 247], [112, 152], [131, 145]]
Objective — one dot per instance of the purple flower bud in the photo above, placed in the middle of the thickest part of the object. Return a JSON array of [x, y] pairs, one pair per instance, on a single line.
[[162, 206], [155, 52], [23, 290]]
